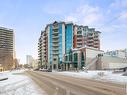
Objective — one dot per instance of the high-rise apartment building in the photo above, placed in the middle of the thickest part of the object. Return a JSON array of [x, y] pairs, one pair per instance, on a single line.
[[6, 48], [59, 38], [52, 43], [42, 49]]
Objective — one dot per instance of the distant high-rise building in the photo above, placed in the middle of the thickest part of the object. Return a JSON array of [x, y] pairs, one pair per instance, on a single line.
[[29, 60], [6, 48], [59, 38]]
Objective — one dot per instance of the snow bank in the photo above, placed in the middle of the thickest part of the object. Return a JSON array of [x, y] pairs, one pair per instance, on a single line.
[[98, 75], [18, 84], [3, 76]]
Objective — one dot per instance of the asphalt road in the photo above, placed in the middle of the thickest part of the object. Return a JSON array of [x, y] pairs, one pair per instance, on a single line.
[[56, 84]]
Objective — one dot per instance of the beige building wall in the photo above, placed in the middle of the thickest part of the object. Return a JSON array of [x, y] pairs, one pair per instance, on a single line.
[[111, 62], [121, 54], [92, 53]]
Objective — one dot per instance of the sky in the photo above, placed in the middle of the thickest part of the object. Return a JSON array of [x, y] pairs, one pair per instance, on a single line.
[[28, 17]]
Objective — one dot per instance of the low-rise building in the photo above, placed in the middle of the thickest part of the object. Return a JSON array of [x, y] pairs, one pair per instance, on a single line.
[[82, 57], [114, 59], [118, 53]]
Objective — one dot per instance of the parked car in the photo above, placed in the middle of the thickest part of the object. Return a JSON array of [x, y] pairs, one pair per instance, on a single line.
[[37, 69], [45, 70]]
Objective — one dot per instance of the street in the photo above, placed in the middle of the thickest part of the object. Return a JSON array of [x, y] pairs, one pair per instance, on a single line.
[[55, 84]]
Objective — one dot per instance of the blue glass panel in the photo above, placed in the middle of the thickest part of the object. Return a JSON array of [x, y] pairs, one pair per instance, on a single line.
[[68, 37], [50, 44], [60, 41]]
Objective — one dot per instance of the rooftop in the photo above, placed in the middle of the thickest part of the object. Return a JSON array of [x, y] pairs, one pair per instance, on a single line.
[[3, 28]]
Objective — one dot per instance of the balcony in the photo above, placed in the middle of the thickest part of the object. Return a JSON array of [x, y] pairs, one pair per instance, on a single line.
[[96, 42], [55, 45], [44, 45], [55, 53], [79, 34], [96, 34], [78, 42], [79, 45], [89, 44], [90, 40], [55, 41], [55, 27], [96, 38], [55, 49], [96, 46], [44, 36], [44, 40], [90, 35], [55, 32], [55, 37], [79, 38]]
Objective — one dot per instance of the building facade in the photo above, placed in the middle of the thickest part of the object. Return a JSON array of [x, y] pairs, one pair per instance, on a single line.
[[59, 38], [85, 36], [42, 49], [83, 57], [6, 48]]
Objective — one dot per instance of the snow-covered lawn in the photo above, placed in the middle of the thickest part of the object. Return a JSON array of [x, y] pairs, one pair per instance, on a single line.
[[18, 84], [98, 75]]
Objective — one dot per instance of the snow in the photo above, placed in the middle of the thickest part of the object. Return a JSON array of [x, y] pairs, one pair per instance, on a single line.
[[98, 75], [18, 84], [2, 76]]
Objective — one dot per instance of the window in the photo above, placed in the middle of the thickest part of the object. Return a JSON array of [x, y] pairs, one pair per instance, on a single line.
[[54, 59]]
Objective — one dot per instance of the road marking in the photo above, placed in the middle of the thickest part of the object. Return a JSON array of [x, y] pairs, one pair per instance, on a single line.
[[126, 88], [56, 92], [68, 92]]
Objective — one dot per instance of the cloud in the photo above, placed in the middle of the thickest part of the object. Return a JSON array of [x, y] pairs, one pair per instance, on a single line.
[[114, 28], [111, 21], [93, 16], [118, 9], [86, 14], [123, 16], [70, 18], [119, 4]]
